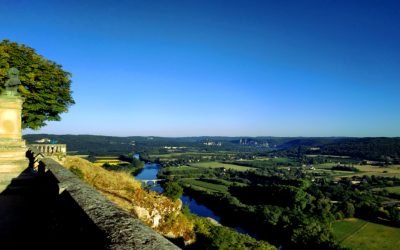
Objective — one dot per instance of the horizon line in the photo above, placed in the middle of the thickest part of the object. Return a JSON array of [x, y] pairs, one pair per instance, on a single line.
[[231, 136]]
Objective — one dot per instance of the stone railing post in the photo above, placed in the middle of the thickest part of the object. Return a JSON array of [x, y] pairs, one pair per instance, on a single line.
[[12, 147]]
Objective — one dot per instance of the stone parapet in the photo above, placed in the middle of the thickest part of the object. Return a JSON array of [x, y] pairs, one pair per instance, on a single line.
[[121, 230]]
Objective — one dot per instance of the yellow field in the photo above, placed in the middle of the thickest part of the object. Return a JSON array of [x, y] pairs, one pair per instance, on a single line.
[[112, 160], [389, 171]]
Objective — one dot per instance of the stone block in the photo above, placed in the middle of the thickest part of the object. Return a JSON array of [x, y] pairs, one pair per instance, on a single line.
[[10, 117], [12, 148]]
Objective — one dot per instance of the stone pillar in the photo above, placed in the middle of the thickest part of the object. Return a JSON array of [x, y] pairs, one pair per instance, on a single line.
[[12, 148]]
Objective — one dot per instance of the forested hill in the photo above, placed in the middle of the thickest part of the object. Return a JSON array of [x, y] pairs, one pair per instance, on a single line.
[[379, 149]]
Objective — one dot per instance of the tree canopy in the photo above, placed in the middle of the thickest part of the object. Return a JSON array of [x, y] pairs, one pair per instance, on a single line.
[[45, 86]]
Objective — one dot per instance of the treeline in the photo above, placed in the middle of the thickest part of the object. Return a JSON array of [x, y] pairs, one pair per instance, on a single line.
[[134, 167], [290, 208], [378, 149], [303, 225]]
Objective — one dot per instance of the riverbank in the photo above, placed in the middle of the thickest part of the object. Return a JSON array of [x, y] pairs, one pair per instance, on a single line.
[[198, 203]]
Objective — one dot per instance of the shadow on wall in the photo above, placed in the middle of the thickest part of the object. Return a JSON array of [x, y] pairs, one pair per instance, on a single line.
[[35, 216]]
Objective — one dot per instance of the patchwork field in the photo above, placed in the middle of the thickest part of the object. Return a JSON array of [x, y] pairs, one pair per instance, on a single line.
[[360, 234], [205, 185], [221, 165], [388, 171], [394, 190]]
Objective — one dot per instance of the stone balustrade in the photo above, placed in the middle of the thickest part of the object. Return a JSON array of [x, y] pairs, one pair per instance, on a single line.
[[49, 149], [120, 230]]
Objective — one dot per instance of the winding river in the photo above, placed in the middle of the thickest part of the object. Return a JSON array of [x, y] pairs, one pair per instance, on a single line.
[[150, 172]]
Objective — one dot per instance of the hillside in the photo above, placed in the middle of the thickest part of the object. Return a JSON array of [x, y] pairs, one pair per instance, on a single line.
[[377, 149], [157, 211]]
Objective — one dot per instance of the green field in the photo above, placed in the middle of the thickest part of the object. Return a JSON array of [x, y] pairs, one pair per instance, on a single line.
[[184, 171], [388, 171], [221, 165], [360, 234], [197, 184], [393, 190]]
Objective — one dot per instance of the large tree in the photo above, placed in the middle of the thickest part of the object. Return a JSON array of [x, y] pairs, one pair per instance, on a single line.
[[45, 86]]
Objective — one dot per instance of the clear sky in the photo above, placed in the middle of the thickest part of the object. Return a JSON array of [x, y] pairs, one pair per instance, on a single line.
[[236, 68]]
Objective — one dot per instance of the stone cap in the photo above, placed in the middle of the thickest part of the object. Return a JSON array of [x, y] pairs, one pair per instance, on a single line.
[[122, 230]]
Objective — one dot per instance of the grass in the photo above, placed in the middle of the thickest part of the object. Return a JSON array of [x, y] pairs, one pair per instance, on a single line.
[[184, 171], [177, 154], [122, 189], [360, 234], [388, 171], [182, 168], [393, 190], [221, 165], [205, 185], [107, 157], [330, 156], [112, 160], [345, 228], [325, 165]]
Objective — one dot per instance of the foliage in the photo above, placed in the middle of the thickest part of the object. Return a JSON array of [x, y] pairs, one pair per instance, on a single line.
[[204, 185], [345, 168], [76, 171], [394, 213], [134, 167], [173, 190], [360, 234], [127, 193], [45, 85], [211, 236]]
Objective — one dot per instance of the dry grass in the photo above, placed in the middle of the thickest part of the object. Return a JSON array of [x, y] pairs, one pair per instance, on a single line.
[[122, 189]]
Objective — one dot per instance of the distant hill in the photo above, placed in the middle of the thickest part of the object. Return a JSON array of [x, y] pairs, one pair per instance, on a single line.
[[379, 149]]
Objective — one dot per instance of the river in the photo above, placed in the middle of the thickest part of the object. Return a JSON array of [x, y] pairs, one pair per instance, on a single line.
[[150, 172]]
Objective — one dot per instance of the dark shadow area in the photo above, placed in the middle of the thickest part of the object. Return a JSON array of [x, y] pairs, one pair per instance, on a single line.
[[33, 215]]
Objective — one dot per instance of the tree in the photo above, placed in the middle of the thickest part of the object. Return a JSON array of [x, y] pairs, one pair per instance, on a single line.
[[173, 190], [45, 85], [348, 209], [394, 214]]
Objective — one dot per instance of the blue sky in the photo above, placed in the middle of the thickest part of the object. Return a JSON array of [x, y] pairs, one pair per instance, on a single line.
[[236, 68]]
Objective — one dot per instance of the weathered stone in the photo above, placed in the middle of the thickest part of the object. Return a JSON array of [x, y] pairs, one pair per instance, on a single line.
[[12, 148], [122, 230]]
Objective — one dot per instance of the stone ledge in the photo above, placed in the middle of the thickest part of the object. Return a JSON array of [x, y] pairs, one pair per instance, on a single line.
[[122, 230]]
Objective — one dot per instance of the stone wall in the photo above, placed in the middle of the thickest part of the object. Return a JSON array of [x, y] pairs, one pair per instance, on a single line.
[[121, 230]]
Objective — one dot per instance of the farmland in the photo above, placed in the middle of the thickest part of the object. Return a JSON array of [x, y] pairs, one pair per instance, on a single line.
[[360, 234], [204, 185], [111, 160], [221, 165]]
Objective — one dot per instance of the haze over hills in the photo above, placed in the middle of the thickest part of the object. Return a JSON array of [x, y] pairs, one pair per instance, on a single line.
[[373, 148]]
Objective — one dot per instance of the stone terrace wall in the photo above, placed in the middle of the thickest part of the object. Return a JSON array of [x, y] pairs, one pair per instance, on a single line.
[[121, 230]]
